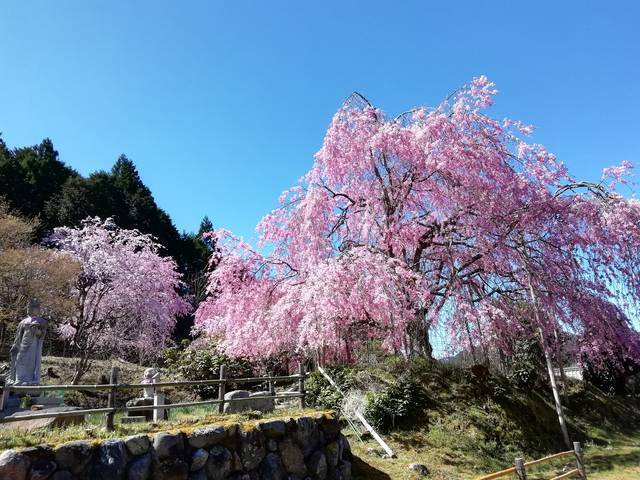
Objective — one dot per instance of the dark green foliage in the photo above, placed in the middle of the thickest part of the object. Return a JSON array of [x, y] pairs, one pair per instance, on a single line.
[[35, 183], [526, 364], [401, 405], [30, 176], [119, 194], [194, 363], [611, 378], [320, 394]]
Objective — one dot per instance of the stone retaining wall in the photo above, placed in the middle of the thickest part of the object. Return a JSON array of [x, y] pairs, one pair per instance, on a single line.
[[292, 449]]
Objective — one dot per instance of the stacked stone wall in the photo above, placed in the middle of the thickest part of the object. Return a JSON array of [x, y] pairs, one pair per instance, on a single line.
[[304, 448]]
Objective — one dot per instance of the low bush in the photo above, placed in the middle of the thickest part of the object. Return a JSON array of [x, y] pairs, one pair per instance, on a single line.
[[320, 394], [401, 405], [201, 363], [526, 364]]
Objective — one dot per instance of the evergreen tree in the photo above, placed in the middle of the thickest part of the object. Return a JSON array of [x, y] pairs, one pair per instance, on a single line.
[[30, 176], [36, 183]]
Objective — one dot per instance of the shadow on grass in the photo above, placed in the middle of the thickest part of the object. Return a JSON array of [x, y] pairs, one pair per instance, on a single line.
[[364, 471], [603, 462]]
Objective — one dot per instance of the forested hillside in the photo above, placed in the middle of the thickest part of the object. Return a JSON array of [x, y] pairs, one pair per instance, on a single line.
[[37, 184]]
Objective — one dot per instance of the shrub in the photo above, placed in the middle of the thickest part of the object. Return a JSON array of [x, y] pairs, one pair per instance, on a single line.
[[204, 364], [612, 378], [401, 405], [322, 395], [525, 364]]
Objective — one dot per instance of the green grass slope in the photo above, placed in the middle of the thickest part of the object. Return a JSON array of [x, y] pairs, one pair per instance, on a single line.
[[473, 423]]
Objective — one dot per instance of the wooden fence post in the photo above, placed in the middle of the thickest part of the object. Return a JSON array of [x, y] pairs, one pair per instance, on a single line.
[[303, 403], [222, 387], [6, 391], [577, 449], [520, 469], [111, 402], [272, 388], [158, 413]]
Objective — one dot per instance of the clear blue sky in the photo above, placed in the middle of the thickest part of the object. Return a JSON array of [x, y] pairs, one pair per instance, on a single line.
[[221, 105]]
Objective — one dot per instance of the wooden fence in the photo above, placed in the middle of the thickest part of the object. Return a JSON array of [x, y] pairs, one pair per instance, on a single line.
[[520, 468], [113, 387]]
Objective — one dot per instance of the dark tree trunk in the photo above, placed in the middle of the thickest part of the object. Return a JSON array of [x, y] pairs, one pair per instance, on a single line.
[[418, 335]]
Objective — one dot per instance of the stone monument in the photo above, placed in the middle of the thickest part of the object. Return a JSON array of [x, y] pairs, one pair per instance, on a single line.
[[150, 376], [26, 352], [26, 359]]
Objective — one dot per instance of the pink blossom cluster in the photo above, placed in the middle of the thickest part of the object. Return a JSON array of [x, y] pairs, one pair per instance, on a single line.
[[440, 216], [127, 292]]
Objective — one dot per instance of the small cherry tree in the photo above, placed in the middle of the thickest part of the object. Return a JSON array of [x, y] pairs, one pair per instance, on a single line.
[[126, 295]]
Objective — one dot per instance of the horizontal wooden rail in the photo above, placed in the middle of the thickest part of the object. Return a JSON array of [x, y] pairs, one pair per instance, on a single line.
[[570, 474], [549, 458], [500, 474], [521, 466], [125, 386], [93, 411]]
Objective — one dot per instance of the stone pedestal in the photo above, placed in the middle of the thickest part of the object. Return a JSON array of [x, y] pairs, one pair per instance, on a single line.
[[148, 414], [14, 401], [42, 422]]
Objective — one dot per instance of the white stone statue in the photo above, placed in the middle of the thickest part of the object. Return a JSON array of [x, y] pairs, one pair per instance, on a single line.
[[150, 376], [26, 352]]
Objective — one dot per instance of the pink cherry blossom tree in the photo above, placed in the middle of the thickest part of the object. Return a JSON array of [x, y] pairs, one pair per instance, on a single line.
[[438, 207], [439, 216], [126, 295]]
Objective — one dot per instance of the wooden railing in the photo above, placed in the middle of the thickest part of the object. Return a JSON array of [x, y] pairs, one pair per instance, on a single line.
[[520, 468], [113, 387]]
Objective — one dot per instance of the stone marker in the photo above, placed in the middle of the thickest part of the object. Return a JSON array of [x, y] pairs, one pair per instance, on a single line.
[[257, 402], [150, 376]]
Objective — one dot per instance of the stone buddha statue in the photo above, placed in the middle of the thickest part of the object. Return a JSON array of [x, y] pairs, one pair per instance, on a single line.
[[26, 352]]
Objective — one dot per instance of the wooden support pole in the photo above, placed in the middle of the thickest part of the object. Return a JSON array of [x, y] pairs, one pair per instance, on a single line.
[[359, 416], [303, 403], [222, 387], [547, 357], [577, 449], [520, 469], [111, 402]]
